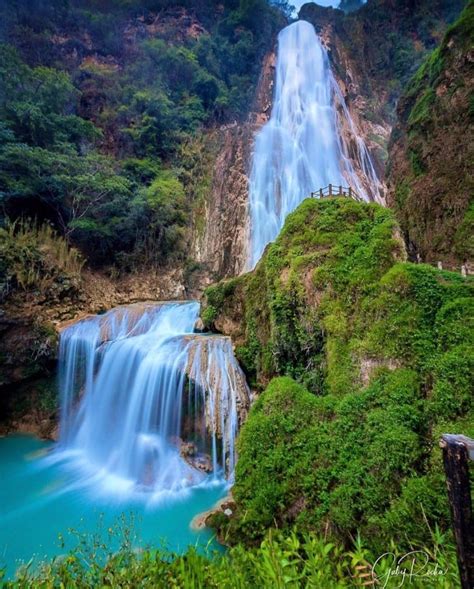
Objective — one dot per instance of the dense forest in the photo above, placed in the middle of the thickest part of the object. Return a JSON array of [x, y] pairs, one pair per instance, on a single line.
[[129, 130], [98, 108]]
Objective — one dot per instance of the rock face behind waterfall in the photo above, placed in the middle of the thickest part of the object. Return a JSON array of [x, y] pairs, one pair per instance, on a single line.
[[222, 244], [148, 402]]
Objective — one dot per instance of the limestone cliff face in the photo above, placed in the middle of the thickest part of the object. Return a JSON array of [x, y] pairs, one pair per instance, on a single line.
[[222, 245], [432, 149]]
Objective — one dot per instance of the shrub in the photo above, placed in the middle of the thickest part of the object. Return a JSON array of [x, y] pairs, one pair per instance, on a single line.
[[280, 561], [35, 257]]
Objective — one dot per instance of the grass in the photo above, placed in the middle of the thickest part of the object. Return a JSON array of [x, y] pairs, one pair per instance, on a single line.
[[33, 257], [280, 562]]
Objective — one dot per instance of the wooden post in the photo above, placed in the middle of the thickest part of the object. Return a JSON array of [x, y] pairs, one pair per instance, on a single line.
[[330, 189], [456, 453], [350, 191], [464, 270], [440, 265], [321, 193], [340, 190]]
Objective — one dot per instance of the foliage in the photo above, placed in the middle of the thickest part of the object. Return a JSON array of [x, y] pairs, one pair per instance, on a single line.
[[350, 5], [382, 347], [35, 258], [280, 561], [90, 129]]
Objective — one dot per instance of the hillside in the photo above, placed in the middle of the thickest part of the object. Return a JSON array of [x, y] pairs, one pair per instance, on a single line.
[[431, 152], [381, 350], [103, 108]]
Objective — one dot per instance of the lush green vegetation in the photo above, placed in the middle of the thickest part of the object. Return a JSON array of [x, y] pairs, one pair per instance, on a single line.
[[35, 258], [361, 359], [97, 103], [281, 561], [350, 5], [383, 349]]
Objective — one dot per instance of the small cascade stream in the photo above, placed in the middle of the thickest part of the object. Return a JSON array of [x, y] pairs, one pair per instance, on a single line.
[[300, 149], [147, 404]]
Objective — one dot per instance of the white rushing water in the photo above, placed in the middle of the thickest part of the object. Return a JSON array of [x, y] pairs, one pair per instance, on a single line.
[[300, 149], [138, 386]]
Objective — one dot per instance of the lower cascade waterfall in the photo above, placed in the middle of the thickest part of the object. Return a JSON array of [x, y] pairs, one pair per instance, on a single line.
[[146, 403], [300, 149]]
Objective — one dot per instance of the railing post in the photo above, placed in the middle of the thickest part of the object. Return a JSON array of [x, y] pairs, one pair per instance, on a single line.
[[350, 192], [464, 270], [321, 193], [456, 453], [440, 265], [330, 189], [340, 190]]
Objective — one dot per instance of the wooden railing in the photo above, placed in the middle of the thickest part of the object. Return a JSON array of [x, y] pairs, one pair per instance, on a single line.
[[458, 450], [333, 190]]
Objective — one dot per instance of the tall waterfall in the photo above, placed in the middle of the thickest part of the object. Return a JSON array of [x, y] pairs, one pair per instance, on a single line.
[[300, 149], [147, 404]]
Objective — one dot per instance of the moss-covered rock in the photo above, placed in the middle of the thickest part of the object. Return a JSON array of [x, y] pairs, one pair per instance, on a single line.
[[290, 315], [381, 349]]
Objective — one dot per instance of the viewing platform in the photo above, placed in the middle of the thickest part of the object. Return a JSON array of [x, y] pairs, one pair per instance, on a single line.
[[333, 190]]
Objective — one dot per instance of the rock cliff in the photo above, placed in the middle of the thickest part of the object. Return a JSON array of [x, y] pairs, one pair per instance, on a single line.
[[432, 150], [221, 245]]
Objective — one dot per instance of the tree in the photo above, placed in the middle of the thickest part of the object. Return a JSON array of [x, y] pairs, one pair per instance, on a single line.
[[350, 5]]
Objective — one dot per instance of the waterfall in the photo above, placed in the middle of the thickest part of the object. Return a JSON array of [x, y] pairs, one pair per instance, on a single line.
[[147, 404], [300, 149]]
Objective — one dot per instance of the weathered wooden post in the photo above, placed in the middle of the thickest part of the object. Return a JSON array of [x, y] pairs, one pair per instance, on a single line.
[[464, 270], [330, 189], [457, 451], [350, 192], [340, 190], [321, 193]]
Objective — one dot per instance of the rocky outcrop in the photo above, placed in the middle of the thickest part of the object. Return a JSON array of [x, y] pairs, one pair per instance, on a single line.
[[190, 453], [222, 245], [431, 153], [28, 351], [212, 369], [280, 316]]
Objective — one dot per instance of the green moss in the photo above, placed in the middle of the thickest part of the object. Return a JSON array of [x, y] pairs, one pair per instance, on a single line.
[[380, 349], [402, 192], [463, 29], [421, 113], [215, 297], [464, 236]]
